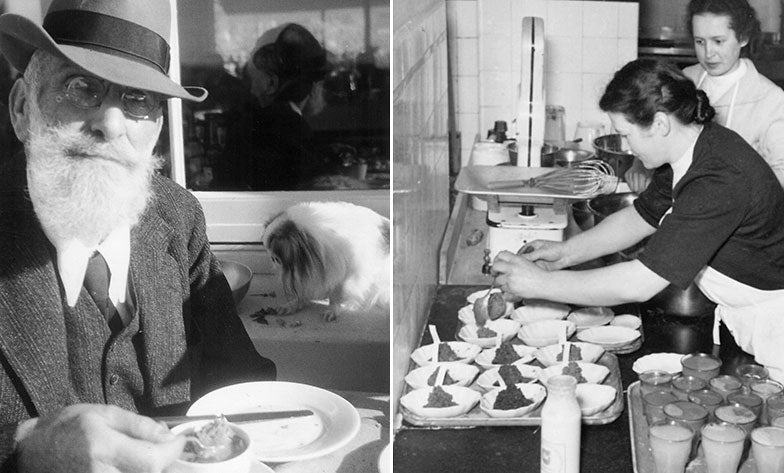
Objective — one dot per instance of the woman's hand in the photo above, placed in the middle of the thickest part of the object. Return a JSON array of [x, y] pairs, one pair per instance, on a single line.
[[515, 274], [96, 438], [549, 255]]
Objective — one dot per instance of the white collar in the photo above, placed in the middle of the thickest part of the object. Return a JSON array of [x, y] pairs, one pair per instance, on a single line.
[[72, 257], [682, 165]]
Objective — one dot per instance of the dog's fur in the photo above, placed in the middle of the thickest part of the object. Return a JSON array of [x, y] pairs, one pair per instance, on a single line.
[[331, 250]]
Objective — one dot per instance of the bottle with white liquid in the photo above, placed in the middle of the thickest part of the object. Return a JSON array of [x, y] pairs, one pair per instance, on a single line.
[[561, 422]]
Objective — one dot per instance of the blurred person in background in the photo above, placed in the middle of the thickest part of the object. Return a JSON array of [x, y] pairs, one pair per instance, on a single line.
[[745, 101]]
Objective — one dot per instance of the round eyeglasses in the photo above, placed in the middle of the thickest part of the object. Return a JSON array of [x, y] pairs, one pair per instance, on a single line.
[[88, 92]]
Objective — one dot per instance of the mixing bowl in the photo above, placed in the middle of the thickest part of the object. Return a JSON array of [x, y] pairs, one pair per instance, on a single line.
[[613, 150]]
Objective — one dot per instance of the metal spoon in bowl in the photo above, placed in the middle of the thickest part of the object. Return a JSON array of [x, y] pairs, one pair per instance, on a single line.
[[481, 306]]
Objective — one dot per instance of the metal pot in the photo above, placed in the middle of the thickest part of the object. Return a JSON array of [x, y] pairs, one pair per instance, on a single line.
[[684, 303], [547, 154], [612, 150]]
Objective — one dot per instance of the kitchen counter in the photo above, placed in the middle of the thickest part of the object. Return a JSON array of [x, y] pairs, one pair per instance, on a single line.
[[605, 448]]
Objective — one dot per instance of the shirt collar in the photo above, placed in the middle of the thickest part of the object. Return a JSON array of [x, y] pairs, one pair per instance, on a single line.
[[72, 257], [680, 166]]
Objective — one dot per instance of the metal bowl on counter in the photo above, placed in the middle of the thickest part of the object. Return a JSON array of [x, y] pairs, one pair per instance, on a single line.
[[568, 157], [548, 154], [613, 150]]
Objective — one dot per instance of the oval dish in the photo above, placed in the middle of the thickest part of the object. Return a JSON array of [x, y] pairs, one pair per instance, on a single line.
[[465, 351], [546, 332], [548, 355], [535, 392], [488, 379], [594, 398], [593, 373], [538, 310], [466, 399], [504, 327], [609, 336], [464, 374]]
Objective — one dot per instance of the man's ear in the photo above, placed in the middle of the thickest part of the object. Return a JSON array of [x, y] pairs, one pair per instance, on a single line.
[[17, 109]]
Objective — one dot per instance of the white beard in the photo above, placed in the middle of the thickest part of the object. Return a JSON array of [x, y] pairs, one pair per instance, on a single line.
[[82, 188]]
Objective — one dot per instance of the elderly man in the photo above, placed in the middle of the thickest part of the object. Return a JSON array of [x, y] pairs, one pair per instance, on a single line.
[[112, 307]]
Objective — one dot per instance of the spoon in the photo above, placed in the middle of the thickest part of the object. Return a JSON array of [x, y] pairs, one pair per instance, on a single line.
[[481, 312]]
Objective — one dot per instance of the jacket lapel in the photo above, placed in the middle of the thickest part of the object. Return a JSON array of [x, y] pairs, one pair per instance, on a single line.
[[156, 280], [32, 328]]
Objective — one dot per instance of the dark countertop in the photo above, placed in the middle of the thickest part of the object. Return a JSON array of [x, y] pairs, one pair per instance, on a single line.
[[604, 448]]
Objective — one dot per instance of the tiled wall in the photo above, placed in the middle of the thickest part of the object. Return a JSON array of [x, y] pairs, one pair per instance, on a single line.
[[585, 43], [421, 167]]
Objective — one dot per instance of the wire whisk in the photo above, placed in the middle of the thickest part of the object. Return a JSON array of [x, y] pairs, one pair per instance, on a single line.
[[586, 178]]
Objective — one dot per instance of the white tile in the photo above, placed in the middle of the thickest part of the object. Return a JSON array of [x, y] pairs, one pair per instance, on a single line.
[[468, 126], [628, 19], [600, 19], [564, 89], [523, 8], [467, 57], [467, 100], [627, 51], [593, 88], [465, 16], [495, 17], [600, 55], [563, 54], [493, 53], [564, 18], [497, 89]]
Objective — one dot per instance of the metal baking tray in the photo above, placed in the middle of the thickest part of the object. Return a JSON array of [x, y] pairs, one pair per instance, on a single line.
[[642, 459], [477, 418]]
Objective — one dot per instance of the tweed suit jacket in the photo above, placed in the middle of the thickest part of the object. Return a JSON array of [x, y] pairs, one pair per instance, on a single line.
[[193, 340]]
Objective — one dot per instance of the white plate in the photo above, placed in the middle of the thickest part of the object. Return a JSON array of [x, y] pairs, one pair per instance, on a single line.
[[609, 336], [588, 317], [548, 355], [594, 398], [487, 380], [385, 459], [485, 358], [504, 327], [546, 332], [534, 392], [536, 310], [466, 352], [466, 313], [258, 467], [592, 372], [333, 424], [466, 399], [669, 362], [627, 320], [463, 373]]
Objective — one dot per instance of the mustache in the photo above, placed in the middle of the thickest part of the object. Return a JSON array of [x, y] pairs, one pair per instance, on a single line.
[[76, 145]]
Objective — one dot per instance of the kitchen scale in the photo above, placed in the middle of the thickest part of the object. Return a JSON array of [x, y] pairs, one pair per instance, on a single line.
[[518, 215]]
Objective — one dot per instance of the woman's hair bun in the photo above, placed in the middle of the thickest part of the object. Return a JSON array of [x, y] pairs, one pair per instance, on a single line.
[[704, 111]]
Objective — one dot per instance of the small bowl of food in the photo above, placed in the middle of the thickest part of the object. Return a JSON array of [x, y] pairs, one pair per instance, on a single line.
[[454, 373], [462, 352], [440, 401], [487, 335], [515, 400], [578, 351], [546, 332], [514, 373], [213, 446], [505, 354], [536, 310], [591, 373], [627, 320]]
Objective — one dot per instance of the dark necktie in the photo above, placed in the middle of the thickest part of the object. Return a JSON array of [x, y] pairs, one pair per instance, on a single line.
[[96, 281]]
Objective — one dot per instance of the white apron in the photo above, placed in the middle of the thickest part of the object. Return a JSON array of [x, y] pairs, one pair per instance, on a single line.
[[754, 317]]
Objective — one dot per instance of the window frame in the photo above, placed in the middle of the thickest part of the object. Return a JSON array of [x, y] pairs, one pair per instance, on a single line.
[[239, 217]]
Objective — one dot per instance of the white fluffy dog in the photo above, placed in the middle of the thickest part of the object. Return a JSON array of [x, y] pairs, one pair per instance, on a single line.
[[331, 250]]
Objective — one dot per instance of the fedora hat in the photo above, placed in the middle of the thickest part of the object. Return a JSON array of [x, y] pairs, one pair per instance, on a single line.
[[122, 41]]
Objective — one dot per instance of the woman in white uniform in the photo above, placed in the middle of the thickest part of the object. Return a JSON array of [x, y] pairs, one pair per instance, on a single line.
[[712, 212], [745, 101]]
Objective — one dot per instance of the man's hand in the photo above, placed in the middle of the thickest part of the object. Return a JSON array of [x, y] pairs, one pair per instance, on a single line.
[[92, 438]]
